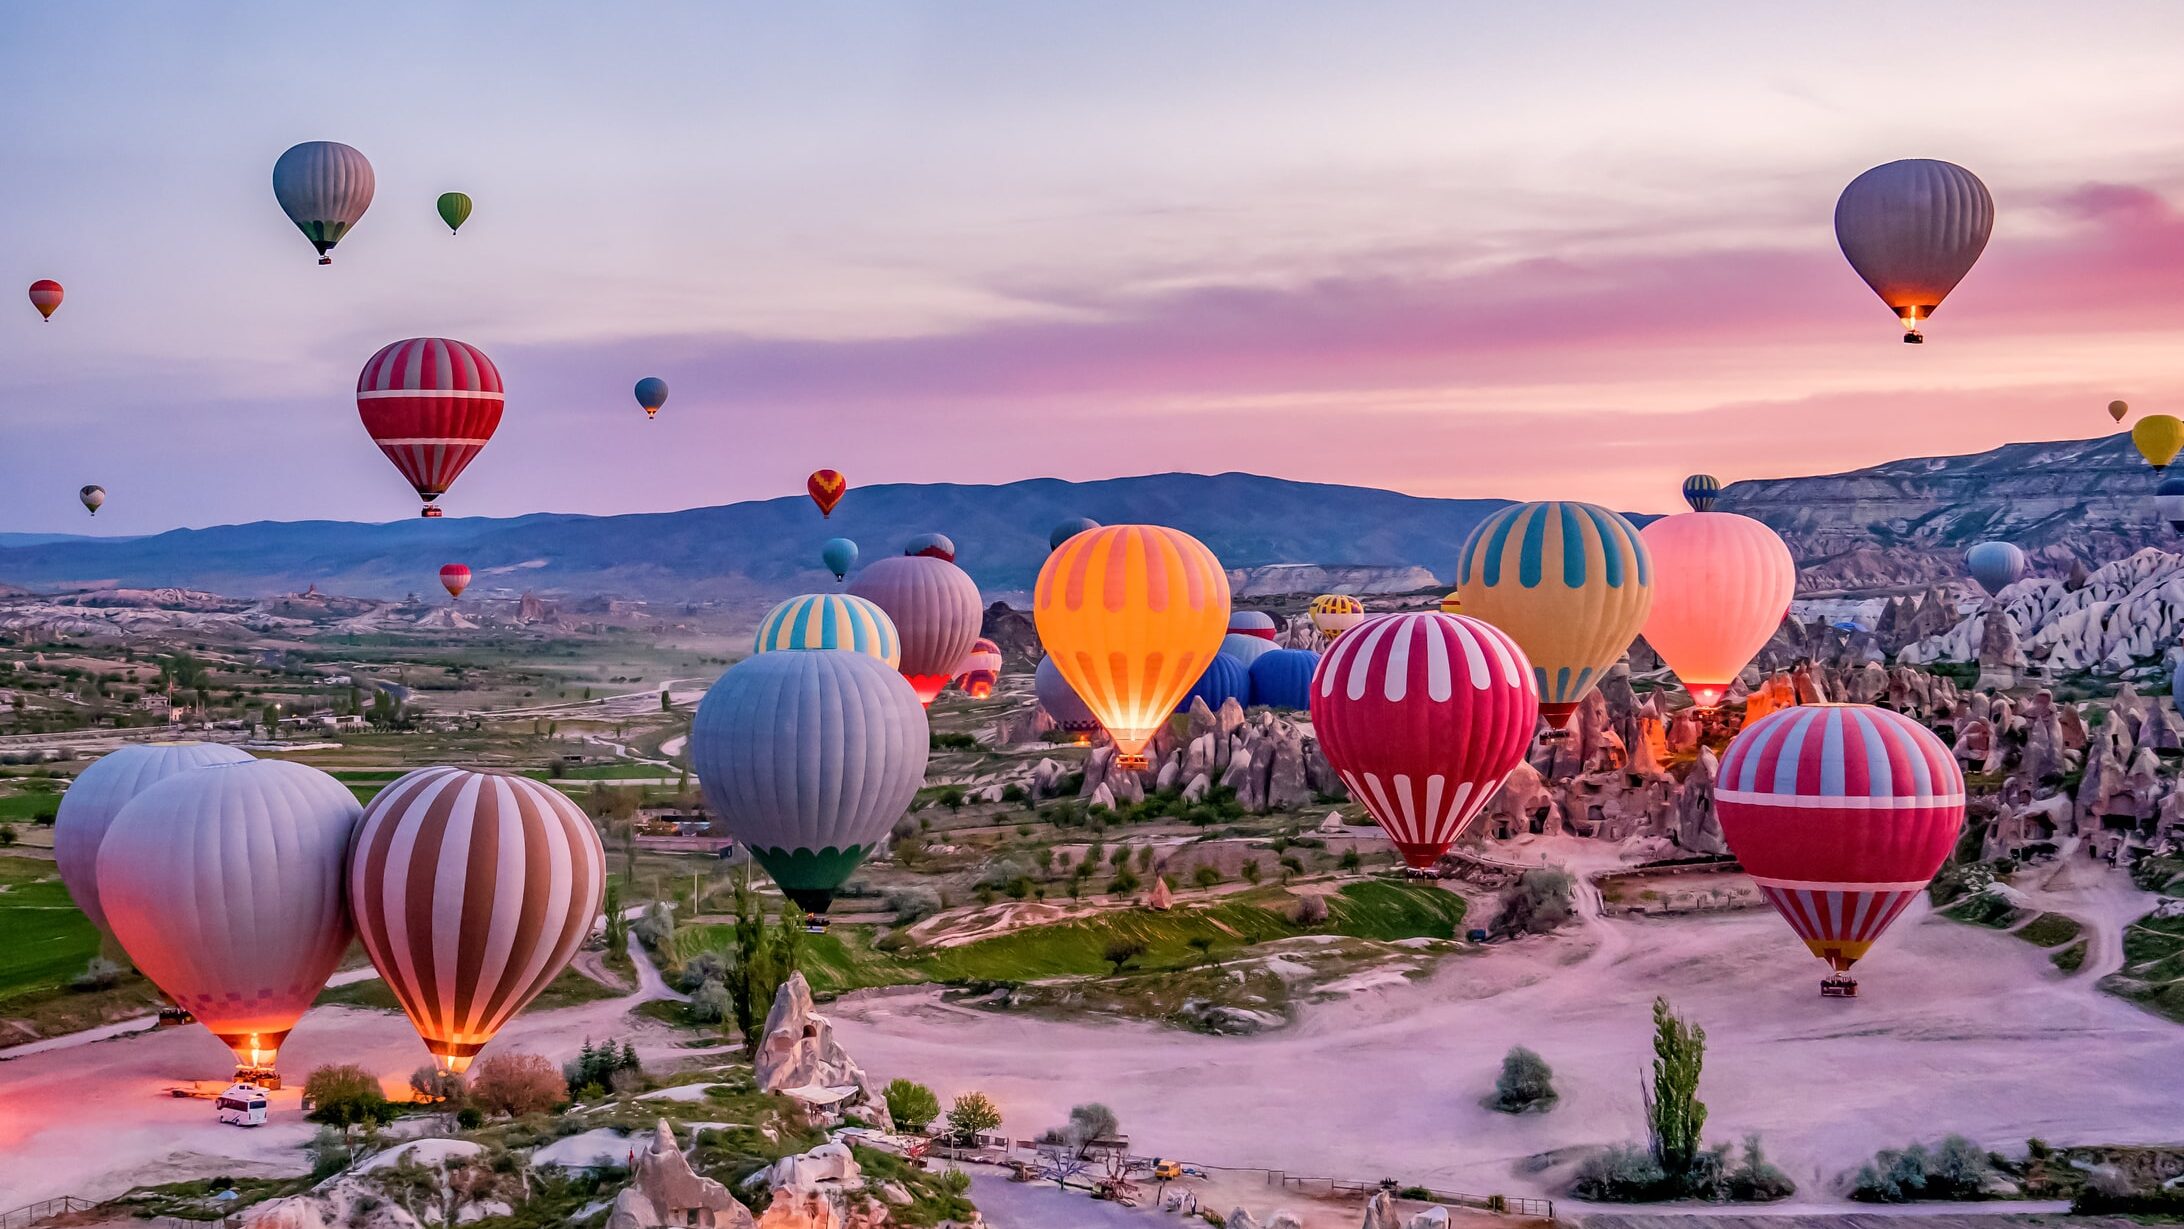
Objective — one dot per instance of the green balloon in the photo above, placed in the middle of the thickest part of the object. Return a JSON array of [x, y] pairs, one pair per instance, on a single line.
[[454, 210]]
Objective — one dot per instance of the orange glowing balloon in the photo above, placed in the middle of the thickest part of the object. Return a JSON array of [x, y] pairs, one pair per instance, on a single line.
[[1131, 615], [1721, 585]]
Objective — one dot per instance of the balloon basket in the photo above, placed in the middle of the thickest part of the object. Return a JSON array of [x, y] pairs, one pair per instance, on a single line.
[[430, 510], [1839, 987], [326, 260], [264, 1077], [1914, 339], [1132, 763]]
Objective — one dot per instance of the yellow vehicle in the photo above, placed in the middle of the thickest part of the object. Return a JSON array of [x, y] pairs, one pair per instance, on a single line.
[[1167, 1171]]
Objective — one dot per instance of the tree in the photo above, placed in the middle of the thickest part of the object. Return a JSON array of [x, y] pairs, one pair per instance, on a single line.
[[345, 1095], [617, 924], [436, 1087], [1088, 1124], [1201, 944], [1675, 1117], [912, 1105], [765, 957], [1538, 902], [1525, 1081], [517, 1084], [657, 927], [1121, 951], [973, 1114]]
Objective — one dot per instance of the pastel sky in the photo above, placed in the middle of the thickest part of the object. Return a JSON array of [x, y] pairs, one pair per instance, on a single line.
[[1525, 250]]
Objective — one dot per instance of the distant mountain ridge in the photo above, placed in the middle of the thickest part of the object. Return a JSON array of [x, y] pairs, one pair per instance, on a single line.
[[763, 548]]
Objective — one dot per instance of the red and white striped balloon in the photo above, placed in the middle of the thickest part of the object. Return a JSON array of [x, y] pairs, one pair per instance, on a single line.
[[431, 404], [1423, 715], [471, 891], [1842, 813]]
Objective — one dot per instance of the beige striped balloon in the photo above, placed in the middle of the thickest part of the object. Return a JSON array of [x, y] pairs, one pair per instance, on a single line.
[[471, 890]]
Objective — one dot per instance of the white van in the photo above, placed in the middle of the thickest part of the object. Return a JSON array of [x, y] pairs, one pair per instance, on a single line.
[[243, 1105]]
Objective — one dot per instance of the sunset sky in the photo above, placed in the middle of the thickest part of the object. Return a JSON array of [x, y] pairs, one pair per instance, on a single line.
[[1572, 250]]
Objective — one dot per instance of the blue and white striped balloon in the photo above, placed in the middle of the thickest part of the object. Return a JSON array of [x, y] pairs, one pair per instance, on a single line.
[[830, 621]]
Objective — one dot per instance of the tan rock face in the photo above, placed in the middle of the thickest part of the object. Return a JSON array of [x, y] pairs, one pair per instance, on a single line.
[[797, 1049], [664, 1190]]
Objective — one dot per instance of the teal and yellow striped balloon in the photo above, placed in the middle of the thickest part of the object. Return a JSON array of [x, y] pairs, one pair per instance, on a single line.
[[1700, 491], [830, 621], [1571, 583]]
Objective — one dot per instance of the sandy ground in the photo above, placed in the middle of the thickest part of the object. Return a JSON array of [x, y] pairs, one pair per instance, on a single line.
[[94, 1119], [1958, 1030]]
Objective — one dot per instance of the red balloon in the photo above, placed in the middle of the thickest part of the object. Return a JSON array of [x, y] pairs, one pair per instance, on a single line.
[[1423, 714], [1841, 813], [826, 487], [45, 295], [455, 577], [431, 404]]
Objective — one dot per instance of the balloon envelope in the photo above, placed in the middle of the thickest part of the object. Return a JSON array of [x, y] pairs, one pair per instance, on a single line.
[[97, 795], [1570, 582], [1841, 813], [1336, 613], [808, 759], [1062, 705], [431, 404], [1225, 679], [93, 498], [1423, 715], [980, 669], [2117, 409], [1282, 678], [471, 890], [1912, 229], [1251, 623], [324, 187], [931, 545], [1068, 529], [826, 488], [2158, 437], [936, 608], [1131, 614], [1245, 647], [651, 394], [454, 577], [1721, 585], [1995, 565], [454, 210], [2169, 502], [840, 555], [830, 621], [45, 295], [225, 886], [1700, 491]]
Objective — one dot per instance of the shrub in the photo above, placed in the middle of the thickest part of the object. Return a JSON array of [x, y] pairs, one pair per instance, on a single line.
[[1955, 1168], [1537, 903], [1624, 1173], [1121, 951], [100, 974], [1526, 1082], [517, 1084], [1350, 859], [1310, 911], [345, 1095], [592, 1072], [710, 1003], [1206, 876], [973, 1113], [706, 966], [433, 1086], [912, 905], [911, 1104], [656, 929], [1087, 1124]]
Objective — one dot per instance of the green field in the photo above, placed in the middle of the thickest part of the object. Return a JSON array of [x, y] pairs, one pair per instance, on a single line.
[[844, 959], [49, 941], [2153, 966]]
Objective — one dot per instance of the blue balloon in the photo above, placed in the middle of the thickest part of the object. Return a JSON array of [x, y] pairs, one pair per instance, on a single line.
[[1225, 679], [1996, 565], [1063, 706], [651, 393], [1283, 678], [840, 555], [1700, 491], [1069, 529]]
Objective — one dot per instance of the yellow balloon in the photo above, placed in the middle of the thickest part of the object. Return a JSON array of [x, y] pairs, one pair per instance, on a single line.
[[1132, 615], [1336, 613], [2159, 437], [1570, 582]]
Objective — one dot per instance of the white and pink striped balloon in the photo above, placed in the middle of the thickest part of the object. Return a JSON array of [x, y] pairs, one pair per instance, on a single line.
[[1423, 715]]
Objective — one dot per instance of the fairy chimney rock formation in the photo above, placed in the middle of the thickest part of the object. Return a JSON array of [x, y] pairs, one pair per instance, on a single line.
[[797, 1050]]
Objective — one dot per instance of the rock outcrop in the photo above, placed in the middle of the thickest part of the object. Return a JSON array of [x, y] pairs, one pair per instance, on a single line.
[[664, 1191], [797, 1054]]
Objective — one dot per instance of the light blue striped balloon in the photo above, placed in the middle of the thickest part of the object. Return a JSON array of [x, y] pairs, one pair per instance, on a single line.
[[830, 621]]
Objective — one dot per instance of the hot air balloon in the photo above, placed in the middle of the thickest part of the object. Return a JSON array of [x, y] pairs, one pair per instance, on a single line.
[[1282, 678], [2117, 409], [830, 621], [1570, 582], [470, 891], [936, 607], [1452, 602], [45, 295], [454, 577], [454, 210], [1131, 615], [2158, 437], [431, 404], [1912, 230], [323, 187], [1700, 491], [92, 497], [1061, 703], [1251, 623], [1245, 647], [651, 395], [1224, 679], [826, 487], [808, 759], [97, 795], [980, 670], [1721, 585], [932, 546], [224, 885], [1336, 613], [2169, 502], [1069, 528], [1995, 565], [1841, 813], [1423, 715], [840, 555]]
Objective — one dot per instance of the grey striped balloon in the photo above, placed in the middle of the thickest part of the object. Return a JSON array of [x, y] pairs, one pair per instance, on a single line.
[[324, 187], [98, 794], [471, 890]]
